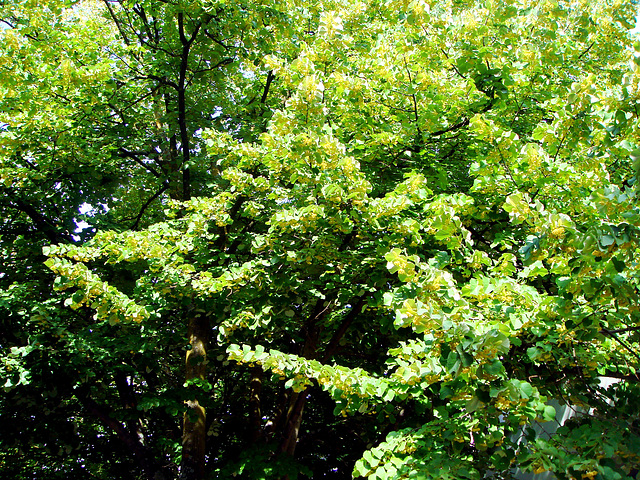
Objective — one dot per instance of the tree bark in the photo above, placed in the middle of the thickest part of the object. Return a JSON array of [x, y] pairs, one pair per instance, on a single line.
[[194, 426], [182, 103], [294, 420], [311, 332], [255, 409]]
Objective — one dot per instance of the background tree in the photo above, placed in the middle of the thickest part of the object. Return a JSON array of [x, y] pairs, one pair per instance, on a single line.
[[380, 230]]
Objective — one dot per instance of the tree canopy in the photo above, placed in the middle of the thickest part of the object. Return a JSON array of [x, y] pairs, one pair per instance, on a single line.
[[319, 239]]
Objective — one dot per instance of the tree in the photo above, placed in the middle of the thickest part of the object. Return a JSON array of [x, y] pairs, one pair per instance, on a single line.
[[384, 235]]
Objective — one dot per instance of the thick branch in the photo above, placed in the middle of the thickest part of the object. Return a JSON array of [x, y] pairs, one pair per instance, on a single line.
[[265, 93], [42, 223], [255, 410], [160, 80], [311, 331], [210, 35], [164, 187], [182, 104], [133, 156], [344, 326], [220, 243], [620, 341], [117, 22], [294, 421]]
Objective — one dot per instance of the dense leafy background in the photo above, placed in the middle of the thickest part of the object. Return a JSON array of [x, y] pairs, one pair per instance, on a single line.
[[385, 235]]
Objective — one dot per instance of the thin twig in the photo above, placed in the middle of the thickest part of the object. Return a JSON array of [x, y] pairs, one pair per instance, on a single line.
[[620, 341], [586, 51]]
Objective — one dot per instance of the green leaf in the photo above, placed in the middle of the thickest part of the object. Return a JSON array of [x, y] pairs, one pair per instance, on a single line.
[[618, 264], [495, 367], [526, 390], [368, 457], [533, 353], [606, 240], [548, 413]]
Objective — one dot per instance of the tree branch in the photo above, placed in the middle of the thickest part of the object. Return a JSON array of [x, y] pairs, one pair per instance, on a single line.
[[221, 63], [622, 330], [413, 97], [182, 103], [344, 326], [42, 223], [164, 187], [611, 334], [463, 123], [219, 42], [586, 51], [265, 92], [117, 22], [134, 156]]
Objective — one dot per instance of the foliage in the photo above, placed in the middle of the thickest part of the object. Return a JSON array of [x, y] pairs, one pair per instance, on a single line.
[[385, 235]]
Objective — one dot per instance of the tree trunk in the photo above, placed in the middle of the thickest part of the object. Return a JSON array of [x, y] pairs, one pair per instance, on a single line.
[[194, 424], [255, 409], [294, 420]]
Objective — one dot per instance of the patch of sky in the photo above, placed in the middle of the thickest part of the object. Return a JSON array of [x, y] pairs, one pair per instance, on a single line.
[[636, 30], [87, 210]]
